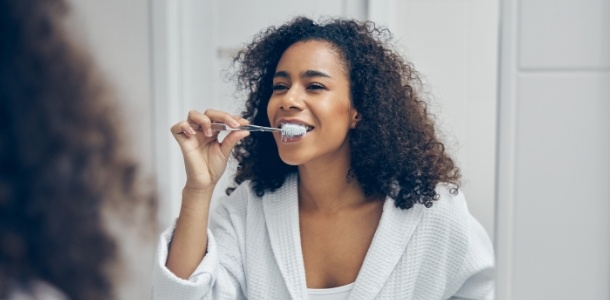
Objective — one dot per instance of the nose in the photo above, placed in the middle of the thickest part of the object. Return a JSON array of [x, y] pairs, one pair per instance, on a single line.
[[292, 99]]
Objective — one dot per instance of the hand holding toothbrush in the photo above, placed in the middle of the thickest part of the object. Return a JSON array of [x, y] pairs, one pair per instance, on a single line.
[[205, 157]]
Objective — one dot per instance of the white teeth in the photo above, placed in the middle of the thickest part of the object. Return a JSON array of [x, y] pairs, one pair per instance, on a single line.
[[293, 130]]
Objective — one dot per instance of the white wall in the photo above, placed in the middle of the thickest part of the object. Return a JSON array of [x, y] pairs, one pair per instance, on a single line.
[[553, 214], [117, 34], [454, 45]]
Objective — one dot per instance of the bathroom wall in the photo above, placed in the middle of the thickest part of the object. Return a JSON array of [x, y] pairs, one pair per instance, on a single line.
[[553, 213]]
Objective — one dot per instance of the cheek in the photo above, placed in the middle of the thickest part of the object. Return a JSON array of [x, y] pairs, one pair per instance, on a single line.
[[337, 111], [271, 109]]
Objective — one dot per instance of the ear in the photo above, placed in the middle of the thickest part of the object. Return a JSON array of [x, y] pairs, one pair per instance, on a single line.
[[355, 118]]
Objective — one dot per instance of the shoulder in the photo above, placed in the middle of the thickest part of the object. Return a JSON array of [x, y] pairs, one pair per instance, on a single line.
[[465, 245], [244, 191], [238, 200], [448, 220], [229, 215], [455, 246], [451, 204], [452, 227]]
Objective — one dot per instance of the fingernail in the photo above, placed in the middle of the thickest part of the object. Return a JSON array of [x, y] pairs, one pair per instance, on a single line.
[[192, 131], [234, 123], [208, 132]]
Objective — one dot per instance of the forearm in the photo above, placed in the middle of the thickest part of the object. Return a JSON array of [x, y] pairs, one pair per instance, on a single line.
[[189, 242]]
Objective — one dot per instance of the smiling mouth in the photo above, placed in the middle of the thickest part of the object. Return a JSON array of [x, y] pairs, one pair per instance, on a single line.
[[292, 131], [308, 128]]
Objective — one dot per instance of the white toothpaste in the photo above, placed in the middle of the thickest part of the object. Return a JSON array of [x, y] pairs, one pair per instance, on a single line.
[[291, 130]]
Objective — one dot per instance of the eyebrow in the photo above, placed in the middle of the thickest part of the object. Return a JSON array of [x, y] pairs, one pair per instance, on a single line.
[[306, 74]]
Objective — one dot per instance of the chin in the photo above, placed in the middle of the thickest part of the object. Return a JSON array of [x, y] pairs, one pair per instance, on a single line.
[[290, 160]]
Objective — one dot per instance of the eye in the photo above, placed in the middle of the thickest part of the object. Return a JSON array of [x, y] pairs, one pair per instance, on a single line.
[[316, 86], [278, 87]]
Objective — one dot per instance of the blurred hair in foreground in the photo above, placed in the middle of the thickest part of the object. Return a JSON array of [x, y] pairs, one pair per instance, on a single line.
[[64, 165]]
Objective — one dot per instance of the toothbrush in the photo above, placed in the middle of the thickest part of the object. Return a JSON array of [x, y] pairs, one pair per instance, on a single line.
[[287, 130]]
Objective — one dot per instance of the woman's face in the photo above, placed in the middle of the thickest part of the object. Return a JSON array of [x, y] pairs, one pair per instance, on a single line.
[[311, 87]]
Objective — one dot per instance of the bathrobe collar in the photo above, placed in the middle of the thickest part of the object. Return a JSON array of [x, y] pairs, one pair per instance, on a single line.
[[281, 209]]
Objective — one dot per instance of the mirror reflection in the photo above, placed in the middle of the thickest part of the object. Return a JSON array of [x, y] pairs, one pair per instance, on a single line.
[[518, 113]]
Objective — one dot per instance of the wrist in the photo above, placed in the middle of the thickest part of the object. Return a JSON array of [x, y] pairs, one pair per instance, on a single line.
[[196, 199]]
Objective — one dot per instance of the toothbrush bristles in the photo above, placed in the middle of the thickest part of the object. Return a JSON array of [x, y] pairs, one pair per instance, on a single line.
[[293, 130]]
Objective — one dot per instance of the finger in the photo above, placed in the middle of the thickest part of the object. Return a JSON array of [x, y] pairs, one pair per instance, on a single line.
[[182, 127], [206, 119], [217, 115], [240, 120], [202, 120], [229, 142], [230, 120], [224, 117]]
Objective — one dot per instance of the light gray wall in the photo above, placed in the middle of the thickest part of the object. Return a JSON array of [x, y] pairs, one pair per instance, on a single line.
[[553, 239]]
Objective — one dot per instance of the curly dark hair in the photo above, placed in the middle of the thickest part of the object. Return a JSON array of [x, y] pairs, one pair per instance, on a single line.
[[395, 150], [62, 159]]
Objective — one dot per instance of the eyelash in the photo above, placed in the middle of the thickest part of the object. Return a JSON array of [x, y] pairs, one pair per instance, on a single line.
[[314, 86], [277, 87]]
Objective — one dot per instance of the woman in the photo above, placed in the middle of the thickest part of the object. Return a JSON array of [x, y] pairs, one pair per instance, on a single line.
[[63, 163], [364, 205]]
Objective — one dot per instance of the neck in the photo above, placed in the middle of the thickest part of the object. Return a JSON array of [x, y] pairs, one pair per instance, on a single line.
[[328, 190]]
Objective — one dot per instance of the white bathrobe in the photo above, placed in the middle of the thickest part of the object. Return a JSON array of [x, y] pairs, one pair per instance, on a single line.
[[254, 252]]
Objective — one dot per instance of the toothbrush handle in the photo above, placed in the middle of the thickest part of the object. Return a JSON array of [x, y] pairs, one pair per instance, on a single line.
[[255, 128], [225, 127]]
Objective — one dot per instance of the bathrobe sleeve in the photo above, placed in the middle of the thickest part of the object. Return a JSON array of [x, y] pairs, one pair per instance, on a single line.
[[220, 274]]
